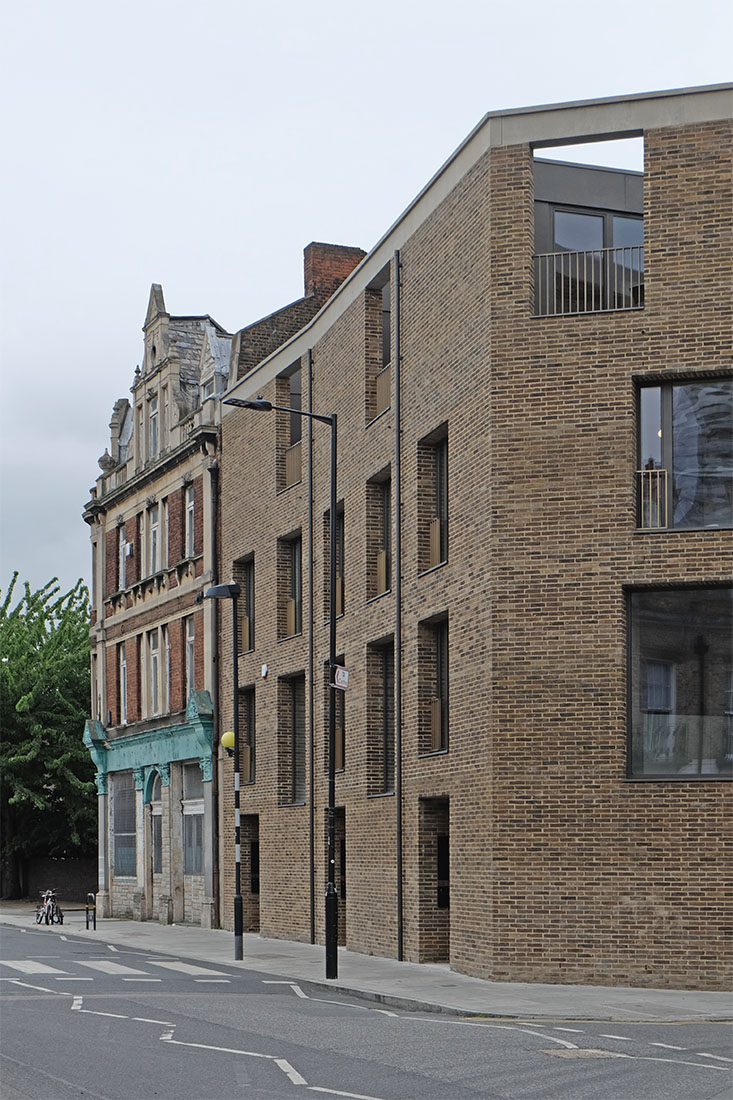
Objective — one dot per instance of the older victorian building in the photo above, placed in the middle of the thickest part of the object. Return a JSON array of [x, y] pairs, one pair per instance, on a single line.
[[154, 521]]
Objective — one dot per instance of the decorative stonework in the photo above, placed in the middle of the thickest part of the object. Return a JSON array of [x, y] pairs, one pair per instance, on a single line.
[[101, 780]]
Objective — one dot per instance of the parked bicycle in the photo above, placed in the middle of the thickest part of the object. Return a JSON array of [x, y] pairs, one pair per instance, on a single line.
[[48, 910]]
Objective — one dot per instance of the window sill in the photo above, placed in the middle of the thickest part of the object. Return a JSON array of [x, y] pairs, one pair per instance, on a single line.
[[432, 568], [289, 805], [432, 752], [704, 778], [287, 638], [381, 794], [380, 595], [377, 417], [285, 488], [682, 530]]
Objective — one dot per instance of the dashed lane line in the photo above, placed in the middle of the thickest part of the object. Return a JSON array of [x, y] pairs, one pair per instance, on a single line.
[[718, 1057], [622, 1038], [667, 1046]]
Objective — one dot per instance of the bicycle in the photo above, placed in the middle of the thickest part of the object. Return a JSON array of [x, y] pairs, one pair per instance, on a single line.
[[48, 910]]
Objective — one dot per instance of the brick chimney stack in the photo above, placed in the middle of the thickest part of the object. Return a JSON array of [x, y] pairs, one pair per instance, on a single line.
[[325, 266]]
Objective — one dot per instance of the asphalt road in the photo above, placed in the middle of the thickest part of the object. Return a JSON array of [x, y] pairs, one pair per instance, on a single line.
[[83, 1019]]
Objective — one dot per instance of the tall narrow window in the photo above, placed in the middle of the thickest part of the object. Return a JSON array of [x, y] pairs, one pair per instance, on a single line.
[[165, 419], [154, 672], [154, 539], [384, 555], [156, 821], [296, 401], [686, 455], [291, 740], [433, 499], [193, 819], [124, 840], [121, 556], [190, 649], [247, 727], [340, 711], [381, 732], [190, 521], [439, 700], [244, 574], [289, 553], [340, 557], [153, 426], [164, 533], [123, 684], [386, 324]]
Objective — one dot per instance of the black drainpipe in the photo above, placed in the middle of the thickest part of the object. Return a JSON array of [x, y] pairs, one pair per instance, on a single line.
[[398, 609], [311, 680]]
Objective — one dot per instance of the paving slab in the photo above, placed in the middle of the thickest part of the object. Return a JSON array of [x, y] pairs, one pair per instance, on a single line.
[[417, 986]]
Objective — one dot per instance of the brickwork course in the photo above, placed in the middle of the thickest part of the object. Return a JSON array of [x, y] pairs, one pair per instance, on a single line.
[[528, 851]]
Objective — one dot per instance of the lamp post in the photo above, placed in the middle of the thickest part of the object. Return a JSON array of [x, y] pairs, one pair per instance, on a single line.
[[231, 592], [331, 896]]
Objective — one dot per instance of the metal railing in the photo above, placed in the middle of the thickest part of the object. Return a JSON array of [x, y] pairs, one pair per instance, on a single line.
[[652, 499], [588, 282]]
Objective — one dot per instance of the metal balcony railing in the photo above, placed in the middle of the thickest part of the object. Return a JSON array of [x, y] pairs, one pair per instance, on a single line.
[[652, 499], [589, 282]]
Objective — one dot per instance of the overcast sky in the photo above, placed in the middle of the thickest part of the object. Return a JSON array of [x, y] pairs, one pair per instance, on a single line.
[[202, 146]]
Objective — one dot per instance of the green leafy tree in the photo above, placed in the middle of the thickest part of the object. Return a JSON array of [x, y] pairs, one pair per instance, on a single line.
[[47, 794]]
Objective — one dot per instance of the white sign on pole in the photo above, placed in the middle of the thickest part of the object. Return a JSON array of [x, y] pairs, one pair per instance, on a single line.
[[340, 677]]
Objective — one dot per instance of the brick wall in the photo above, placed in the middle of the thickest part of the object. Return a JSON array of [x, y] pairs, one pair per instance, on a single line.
[[561, 868]]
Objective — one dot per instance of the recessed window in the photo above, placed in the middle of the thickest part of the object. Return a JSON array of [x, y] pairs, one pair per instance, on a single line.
[[247, 734], [685, 477], [244, 574], [190, 521], [433, 500], [679, 668], [124, 839], [381, 729], [290, 572], [340, 557], [291, 740], [433, 685]]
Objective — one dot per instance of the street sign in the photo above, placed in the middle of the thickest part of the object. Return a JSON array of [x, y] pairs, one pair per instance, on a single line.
[[340, 677]]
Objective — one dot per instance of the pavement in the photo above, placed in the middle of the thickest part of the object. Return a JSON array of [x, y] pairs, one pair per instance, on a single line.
[[422, 987]]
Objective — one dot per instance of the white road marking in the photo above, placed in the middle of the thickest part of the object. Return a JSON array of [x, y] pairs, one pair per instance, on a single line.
[[167, 1035], [189, 968], [112, 947], [30, 966], [624, 1038], [142, 979], [338, 1092], [211, 981], [65, 938], [295, 988], [574, 1030], [667, 1046], [114, 968], [74, 979], [77, 1003], [290, 1072], [40, 988], [113, 1015], [145, 1020], [223, 1050], [718, 1057]]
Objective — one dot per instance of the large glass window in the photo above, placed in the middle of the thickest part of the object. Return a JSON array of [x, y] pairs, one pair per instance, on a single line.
[[193, 819], [679, 669], [123, 824], [686, 455]]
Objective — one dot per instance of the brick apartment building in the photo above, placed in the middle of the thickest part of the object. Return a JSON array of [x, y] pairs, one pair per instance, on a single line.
[[154, 525], [532, 377]]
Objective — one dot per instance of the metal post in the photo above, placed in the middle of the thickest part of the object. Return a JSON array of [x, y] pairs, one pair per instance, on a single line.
[[331, 895], [238, 921]]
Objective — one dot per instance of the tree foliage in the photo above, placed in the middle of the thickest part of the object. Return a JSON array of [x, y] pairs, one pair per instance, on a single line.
[[47, 793]]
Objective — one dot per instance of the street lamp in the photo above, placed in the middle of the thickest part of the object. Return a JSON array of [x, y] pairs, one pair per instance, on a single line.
[[231, 592], [260, 404]]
